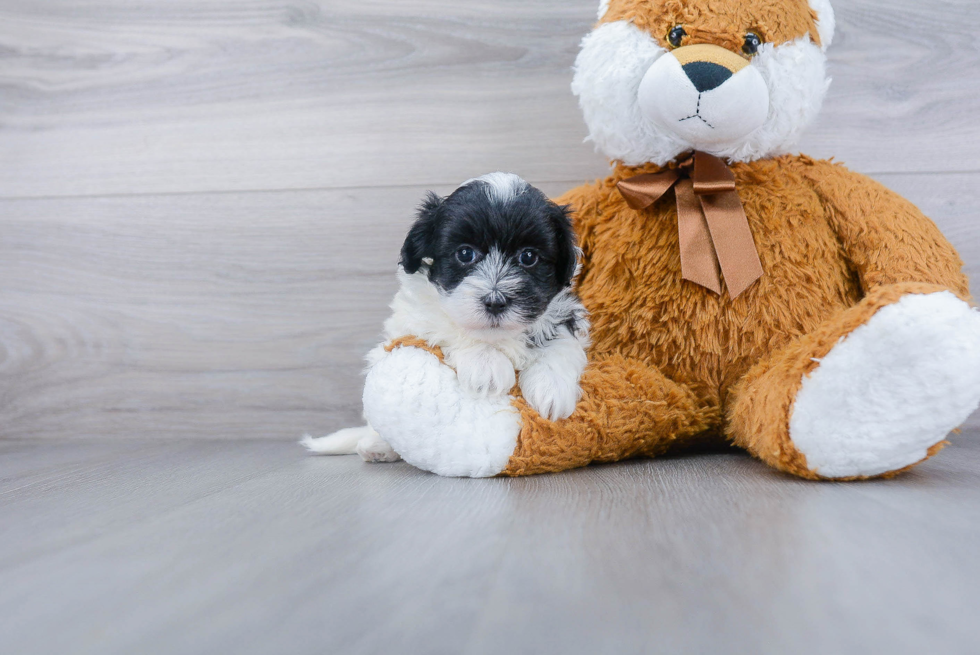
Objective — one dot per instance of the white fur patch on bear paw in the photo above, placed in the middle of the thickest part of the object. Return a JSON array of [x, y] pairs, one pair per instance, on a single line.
[[417, 405], [891, 389]]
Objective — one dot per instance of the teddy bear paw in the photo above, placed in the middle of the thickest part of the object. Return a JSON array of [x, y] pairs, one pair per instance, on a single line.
[[890, 390], [420, 408]]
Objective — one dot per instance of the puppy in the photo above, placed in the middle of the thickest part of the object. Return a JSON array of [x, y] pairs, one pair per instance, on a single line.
[[486, 276]]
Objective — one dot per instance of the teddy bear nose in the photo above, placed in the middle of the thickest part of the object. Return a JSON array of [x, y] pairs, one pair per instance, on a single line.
[[706, 75]]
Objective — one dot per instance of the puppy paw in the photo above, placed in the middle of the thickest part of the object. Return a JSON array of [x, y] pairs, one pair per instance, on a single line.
[[376, 450], [484, 371], [550, 392]]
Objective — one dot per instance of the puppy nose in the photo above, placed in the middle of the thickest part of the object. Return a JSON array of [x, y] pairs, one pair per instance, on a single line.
[[495, 304], [705, 75]]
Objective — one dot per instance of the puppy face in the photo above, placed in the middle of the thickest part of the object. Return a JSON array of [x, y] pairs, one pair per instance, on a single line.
[[497, 249], [740, 79]]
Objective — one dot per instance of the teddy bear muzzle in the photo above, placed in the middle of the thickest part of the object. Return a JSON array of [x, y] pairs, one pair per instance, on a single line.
[[704, 95]]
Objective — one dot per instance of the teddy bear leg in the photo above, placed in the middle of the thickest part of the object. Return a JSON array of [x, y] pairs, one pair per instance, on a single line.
[[628, 409], [870, 393]]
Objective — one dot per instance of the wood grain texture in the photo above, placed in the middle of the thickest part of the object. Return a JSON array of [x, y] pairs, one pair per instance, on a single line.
[[117, 97], [204, 547], [227, 316]]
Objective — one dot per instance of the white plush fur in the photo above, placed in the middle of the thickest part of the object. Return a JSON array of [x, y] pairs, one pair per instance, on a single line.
[[826, 21], [603, 8], [719, 118], [891, 389], [451, 431], [616, 57], [486, 362]]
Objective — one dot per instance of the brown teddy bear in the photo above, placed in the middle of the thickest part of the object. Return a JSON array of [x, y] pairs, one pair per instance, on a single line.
[[737, 293]]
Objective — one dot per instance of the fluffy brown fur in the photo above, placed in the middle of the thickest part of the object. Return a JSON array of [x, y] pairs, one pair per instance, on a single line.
[[673, 363], [719, 22]]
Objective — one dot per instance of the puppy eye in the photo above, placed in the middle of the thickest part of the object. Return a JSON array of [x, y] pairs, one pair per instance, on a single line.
[[466, 255], [528, 258], [752, 43], [676, 36]]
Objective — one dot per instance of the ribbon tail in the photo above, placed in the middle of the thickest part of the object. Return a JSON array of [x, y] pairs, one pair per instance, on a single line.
[[699, 261], [733, 241]]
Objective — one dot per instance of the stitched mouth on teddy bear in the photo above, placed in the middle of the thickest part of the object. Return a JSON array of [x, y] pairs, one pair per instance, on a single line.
[[705, 96], [697, 115]]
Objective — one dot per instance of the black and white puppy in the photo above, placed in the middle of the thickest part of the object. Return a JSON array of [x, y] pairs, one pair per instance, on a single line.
[[486, 275]]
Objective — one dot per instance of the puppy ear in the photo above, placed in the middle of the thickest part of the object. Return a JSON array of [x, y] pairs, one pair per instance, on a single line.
[[420, 242], [567, 259]]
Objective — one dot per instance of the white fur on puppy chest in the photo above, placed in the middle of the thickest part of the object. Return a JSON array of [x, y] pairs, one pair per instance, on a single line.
[[890, 390]]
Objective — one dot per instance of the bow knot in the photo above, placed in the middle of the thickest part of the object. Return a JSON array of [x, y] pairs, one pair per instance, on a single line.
[[713, 230]]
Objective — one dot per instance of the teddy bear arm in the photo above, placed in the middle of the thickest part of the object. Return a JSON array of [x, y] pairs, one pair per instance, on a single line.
[[628, 409], [886, 238]]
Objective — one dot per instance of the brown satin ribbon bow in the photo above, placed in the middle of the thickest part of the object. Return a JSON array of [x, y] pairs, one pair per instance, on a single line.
[[714, 233]]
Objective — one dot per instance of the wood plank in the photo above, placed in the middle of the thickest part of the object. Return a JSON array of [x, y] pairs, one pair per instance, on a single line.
[[227, 315], [193, 315], [118, 97], [73, 492], [713, 553]]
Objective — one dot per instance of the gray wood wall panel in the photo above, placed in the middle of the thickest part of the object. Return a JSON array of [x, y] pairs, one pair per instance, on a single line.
[[237, 315], [119, 97], [201, 203]]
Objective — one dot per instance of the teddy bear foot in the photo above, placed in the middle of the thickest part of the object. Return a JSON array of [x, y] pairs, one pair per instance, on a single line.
[[892, 390], [418, 406]]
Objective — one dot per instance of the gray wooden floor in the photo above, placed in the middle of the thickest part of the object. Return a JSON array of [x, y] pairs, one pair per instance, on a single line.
[[200, 209], [192, 546]]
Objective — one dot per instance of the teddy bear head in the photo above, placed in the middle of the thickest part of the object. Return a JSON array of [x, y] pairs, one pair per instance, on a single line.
[[739, 79]]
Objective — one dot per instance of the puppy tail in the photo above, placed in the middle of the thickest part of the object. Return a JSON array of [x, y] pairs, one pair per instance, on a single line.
[[342, 442]]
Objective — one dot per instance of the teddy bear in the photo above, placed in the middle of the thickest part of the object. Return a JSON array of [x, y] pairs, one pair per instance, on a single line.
[[739, 293]]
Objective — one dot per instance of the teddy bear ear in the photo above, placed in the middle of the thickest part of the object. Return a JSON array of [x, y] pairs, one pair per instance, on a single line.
[[603, 8], [826, 23]]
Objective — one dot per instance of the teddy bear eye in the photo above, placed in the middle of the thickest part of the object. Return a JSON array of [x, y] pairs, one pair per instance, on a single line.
[[676, 36], [752, 43]]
